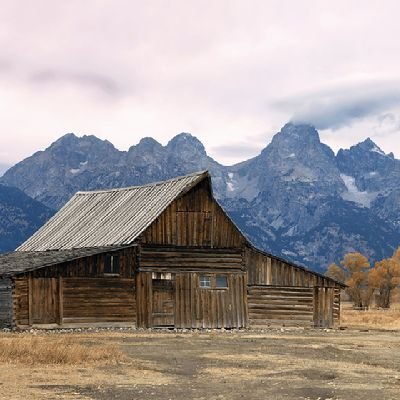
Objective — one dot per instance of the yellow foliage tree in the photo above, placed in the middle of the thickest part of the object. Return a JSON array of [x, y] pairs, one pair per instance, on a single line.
[[335, 272], [356, 267], [385, 276]]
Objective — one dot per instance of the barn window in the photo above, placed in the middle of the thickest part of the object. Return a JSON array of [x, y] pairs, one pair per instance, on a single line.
[[167, 276], [221, 282], [205, 281], [111, 264]]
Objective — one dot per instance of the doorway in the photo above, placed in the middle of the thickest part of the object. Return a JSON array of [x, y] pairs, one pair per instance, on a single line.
[[163, 313], [45, 301]]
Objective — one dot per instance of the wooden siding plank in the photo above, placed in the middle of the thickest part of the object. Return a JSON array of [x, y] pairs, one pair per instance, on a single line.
[[280, 305]]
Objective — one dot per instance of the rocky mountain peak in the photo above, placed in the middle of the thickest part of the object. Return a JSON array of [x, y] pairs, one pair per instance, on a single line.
[[88, 144], [373, 171], [302, 133], [369, 152], [296, 151], [149, 143], [145, 146], [187, 145], [368, 145]]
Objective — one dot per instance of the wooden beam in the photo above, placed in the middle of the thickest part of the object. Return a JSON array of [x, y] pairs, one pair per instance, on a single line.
[[60, 301], [30, 299]]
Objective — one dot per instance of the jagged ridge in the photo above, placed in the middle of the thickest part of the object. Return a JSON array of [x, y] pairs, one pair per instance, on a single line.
[[296, 199]]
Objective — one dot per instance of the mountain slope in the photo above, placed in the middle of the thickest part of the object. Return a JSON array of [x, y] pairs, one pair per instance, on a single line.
[[375, 178], [20, 216], [299, 207], [295, 199]]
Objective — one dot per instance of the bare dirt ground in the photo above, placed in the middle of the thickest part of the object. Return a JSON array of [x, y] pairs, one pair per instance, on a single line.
[[271, 364]]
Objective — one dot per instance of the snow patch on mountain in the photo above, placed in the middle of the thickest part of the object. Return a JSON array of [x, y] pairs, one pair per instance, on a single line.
[[376, 149], [354, 194], [229, 184], [241, 186]]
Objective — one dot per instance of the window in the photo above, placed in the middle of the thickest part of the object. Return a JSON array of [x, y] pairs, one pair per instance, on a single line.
[[221, 282], [111, 264], [205, 281], [213, 282], [167, 276]]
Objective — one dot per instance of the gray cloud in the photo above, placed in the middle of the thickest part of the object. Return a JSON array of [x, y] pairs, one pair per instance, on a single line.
[[341, 105], [102, 83]]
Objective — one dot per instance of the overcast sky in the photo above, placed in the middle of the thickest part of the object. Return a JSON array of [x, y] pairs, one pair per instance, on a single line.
[[229, 72]]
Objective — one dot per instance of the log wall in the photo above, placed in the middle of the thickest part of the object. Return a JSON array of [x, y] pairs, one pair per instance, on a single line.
[[66, 301], [21, 301], [294, 306], [281, 306], [96, 300], [6, 304], [77, 292], [179, 259]]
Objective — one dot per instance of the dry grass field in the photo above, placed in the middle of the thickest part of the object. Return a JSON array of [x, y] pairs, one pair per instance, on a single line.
[[40, 350], [371, 319], [271, 364]]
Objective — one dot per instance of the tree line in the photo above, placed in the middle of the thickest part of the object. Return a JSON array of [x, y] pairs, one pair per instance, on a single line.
[[363, 280]]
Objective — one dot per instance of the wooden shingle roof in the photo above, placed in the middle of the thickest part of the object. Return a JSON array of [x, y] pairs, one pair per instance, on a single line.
[[109, 217], [19, 262]]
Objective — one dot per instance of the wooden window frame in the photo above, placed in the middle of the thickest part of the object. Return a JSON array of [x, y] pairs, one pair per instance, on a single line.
[[114, 265], [213, 282], [226, 281], [202, 279]]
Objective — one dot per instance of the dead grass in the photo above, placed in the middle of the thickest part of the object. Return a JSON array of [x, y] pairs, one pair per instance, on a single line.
[[377, 319], [53, 350]]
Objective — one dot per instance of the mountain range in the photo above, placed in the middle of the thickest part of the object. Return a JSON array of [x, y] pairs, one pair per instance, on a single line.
[[296, 199], [20, 217]]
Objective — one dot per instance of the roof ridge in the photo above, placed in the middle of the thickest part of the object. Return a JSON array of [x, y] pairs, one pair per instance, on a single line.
[[127, 188]]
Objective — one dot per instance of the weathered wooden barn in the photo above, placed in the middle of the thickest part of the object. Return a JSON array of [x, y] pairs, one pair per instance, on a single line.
[[159, 255]]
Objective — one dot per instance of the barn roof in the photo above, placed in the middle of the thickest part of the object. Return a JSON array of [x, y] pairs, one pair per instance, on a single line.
[[114, 217], [23, 261]]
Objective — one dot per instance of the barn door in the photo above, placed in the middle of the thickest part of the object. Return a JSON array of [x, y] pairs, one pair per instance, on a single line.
[[45, 301], [163, 302], [323, 307]]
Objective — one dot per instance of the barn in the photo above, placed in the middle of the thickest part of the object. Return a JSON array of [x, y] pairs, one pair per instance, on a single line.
[[160, 255]]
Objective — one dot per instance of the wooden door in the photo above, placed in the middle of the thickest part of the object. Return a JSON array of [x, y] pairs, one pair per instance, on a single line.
[[45, 301], [163, 302], [323, 307]]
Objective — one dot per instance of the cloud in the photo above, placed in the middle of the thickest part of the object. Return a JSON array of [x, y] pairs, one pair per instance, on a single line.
[[341, 105], [102, 83], [157, 68]]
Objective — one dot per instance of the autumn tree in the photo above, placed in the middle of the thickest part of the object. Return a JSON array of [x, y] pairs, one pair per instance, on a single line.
[[355, 267], [385, 276], [335, 272]]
